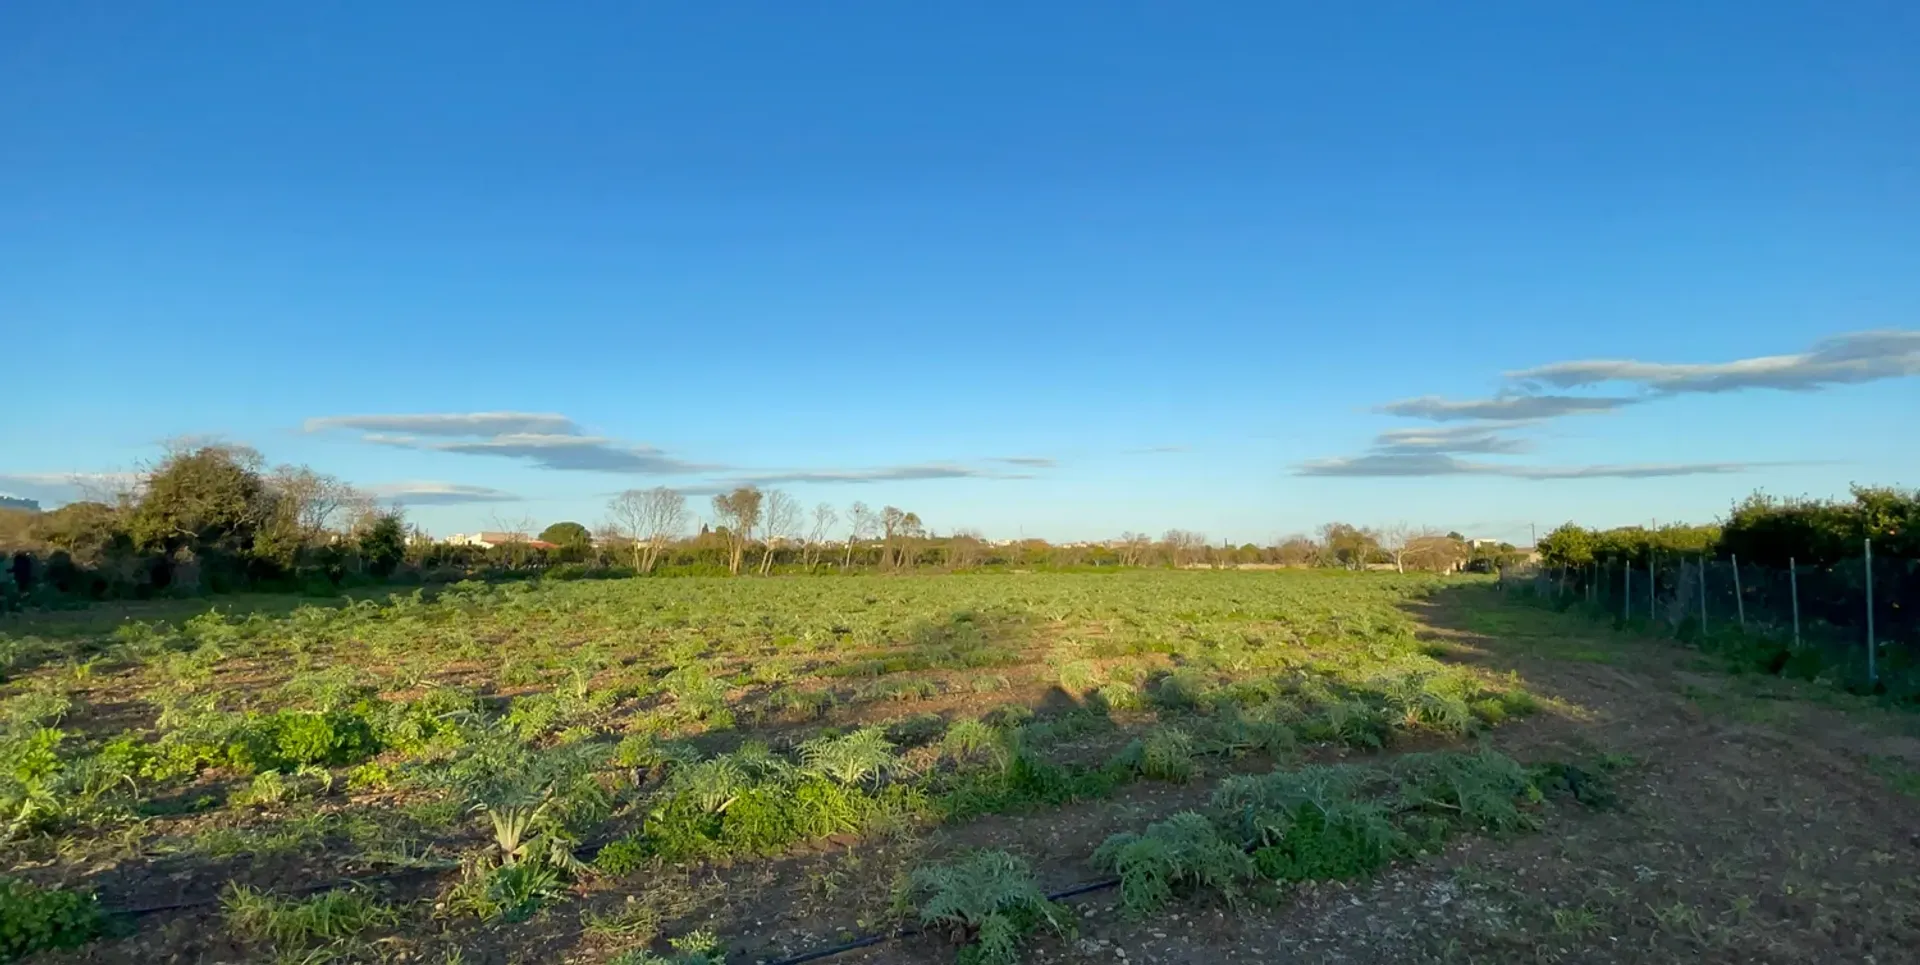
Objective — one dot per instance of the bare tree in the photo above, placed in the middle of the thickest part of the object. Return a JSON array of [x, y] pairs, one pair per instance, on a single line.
[[1431, 550], [1183, 546], [782, 513], [515, 549], [823, 519], [964, 548], [911, 530], [739, 512], [315, 502], [1134, 548], [1394, 538], [649, 519], [861, 524]]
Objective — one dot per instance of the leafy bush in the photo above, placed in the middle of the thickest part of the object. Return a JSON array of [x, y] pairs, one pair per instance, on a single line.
[[1165, 754], [991, 900], [622, 857], [34, 919], [1183, 853], [854, 758]]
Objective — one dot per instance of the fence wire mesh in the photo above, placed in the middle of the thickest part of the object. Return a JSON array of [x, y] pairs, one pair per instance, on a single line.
[[1831, 611]]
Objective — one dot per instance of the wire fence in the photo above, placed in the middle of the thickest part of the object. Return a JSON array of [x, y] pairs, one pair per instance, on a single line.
[[1857, 619]]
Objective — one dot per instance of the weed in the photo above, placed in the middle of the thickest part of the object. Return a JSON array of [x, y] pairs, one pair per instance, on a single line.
[[329, 916], [632, 922]]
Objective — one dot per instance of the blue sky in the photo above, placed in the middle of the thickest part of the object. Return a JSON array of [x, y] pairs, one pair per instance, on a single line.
[[1059, 270]]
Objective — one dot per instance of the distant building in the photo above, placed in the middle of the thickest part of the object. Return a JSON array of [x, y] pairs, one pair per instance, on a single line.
[[19, 502], [489, 540]]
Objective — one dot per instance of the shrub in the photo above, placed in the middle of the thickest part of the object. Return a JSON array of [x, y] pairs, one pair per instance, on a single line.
[[34, 919], [622, 857], [1183, 853], [1165, 754], [992, 899]]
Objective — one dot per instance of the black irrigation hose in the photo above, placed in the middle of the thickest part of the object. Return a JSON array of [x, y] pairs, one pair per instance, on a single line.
[[400, 875], [871, 940]]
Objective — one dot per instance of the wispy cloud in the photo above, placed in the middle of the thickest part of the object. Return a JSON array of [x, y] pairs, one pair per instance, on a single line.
[[1389, 465], [55, 488], [1504, 408], [1841, 360], [1470, 438], [1157, 450], [450, 423], [545, 440], [575, 453], [1034, 462], [438, 494], [909, 473]]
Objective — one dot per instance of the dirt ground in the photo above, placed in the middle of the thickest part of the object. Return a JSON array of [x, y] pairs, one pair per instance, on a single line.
[[1760, 821]]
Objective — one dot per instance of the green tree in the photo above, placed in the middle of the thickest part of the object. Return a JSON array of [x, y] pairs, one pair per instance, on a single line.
[[1567, 545], [383, 544], [209, 501], [567, 533]]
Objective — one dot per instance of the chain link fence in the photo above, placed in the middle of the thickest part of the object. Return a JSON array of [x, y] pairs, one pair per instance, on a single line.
[[1857, 621]]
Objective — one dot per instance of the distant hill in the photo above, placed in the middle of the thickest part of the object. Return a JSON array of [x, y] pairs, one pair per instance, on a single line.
[[18, 502]]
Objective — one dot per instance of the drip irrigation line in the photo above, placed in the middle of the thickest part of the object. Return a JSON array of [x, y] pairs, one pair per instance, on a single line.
[[400, 875], [871, 940]]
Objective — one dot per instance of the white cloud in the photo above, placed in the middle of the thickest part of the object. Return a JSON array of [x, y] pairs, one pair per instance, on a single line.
[[438, 494], [563, 452], [1469, 438], [449, 423], [1389, 465], [1841, 360], [547, 440], [1505, 408]]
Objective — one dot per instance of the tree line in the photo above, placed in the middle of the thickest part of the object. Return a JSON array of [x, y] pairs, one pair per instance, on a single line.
[[1761, 529], [210, 517], [215, 518]]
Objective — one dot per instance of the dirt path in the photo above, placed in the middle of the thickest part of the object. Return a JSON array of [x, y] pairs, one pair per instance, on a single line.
[[1761, 822]]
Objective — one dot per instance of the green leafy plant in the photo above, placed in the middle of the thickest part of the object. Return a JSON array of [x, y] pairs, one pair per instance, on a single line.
[[862, 756], [34, 919], [1165, 754], [254, 915], [989, 902], [1184, 853]]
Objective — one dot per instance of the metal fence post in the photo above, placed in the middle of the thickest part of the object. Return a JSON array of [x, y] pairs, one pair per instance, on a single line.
[[1703, 594], [1873, 675], [1739, 598], [1626, 590], [1793, 585], [1653, 585]]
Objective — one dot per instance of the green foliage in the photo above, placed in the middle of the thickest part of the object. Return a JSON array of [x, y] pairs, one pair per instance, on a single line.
[[1181, 854], [383, 545], [567, 534], [864, 755], [493, 891], [34, 919], [622, 857], [1770, 531], [992, 898], [328, 916], [1165, 754]]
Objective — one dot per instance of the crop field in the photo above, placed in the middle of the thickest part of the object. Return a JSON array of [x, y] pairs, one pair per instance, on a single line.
[[1139, 766]]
